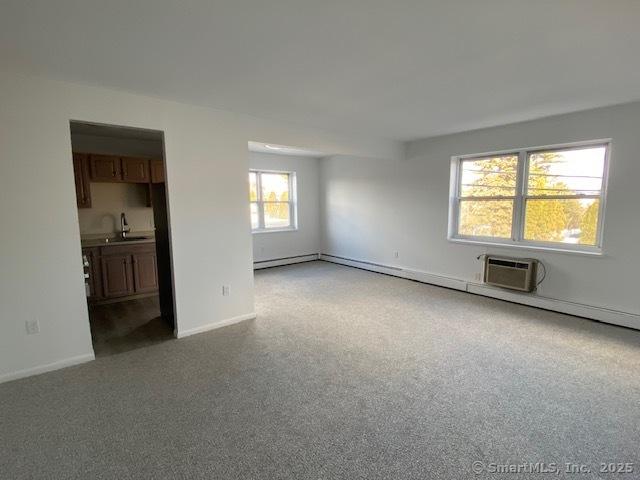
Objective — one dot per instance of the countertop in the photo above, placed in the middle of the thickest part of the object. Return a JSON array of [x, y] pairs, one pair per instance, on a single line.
[[107, 242]]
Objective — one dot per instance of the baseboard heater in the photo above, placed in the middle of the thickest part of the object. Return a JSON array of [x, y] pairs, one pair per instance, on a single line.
[[277, 262], [513, 273]]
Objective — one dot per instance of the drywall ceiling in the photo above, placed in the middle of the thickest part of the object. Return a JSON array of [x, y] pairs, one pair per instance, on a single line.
[[401, 69], [260, 147]]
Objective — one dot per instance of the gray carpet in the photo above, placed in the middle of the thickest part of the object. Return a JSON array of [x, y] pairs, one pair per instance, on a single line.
[[345, 374]]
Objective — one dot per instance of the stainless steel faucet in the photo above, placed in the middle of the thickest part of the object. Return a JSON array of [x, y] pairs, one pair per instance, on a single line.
[[124, 226]]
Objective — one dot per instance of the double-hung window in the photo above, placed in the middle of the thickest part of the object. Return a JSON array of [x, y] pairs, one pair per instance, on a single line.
[[550, 197], [272, 197]]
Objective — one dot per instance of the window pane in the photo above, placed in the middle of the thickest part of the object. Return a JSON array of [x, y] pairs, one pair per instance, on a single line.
[[566, 172], [253, 187], [486, 218], [566, 221], [489, 177], [255, 223], [275, 187], [276, 215]]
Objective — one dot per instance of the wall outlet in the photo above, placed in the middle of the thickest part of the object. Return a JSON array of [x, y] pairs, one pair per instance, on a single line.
[[226, 290], [478, 276], [32, 327], [396, 254]]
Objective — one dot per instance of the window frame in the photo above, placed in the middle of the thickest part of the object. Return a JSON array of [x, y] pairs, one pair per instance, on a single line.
[[293, 208], [521, 196]]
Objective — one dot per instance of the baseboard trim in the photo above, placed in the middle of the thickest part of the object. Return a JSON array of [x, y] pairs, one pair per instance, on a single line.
[[614, 317], [49, 367], [277, 262], [216, 325]]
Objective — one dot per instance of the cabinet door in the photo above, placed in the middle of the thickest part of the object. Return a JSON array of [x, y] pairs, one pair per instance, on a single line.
[[105, 168], [117, 278], [157, 171], [135, 170], [81, 175], [93, 270], [145, 272]]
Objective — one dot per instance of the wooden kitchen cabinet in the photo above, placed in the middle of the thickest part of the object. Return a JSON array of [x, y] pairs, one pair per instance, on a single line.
[[117, 276], [145, 271], [135, 170], [81, 176], [157, 170], [91, 256], [105, 168], [120, 271]]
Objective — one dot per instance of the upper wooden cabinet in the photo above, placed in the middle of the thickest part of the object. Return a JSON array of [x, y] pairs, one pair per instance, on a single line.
[[135, 170], [105, 168], [157, 171], [81, 176]]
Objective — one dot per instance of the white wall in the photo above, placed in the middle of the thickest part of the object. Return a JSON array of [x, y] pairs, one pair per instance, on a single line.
[[206, 155], [306, 239], [373, 208]]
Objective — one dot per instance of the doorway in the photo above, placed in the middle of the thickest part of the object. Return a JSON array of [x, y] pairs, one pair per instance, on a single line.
[[120, 182]]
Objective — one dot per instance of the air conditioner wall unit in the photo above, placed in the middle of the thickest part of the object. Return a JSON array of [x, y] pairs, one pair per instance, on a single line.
[[512, 273]]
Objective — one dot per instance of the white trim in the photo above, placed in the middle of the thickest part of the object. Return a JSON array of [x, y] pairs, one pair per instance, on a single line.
[[275, 230], [519, 201], [276, 262], [215, 325], [417, 275], [526, 246], [606, 315], [260, 202], [28, 372]]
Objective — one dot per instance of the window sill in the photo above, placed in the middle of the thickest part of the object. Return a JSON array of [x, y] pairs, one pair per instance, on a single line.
[[595, 252], [275, 230]]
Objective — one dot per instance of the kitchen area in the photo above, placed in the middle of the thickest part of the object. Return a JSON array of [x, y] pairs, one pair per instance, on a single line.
[[124, 229]]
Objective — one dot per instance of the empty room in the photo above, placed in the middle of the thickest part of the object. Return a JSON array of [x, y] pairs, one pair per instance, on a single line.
[[319, 240]]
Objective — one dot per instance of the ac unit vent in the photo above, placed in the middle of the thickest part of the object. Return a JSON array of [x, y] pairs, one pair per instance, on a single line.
[[513, 273]]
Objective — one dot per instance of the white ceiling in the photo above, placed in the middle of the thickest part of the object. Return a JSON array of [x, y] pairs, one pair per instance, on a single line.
[[401, 69], [273, 148]]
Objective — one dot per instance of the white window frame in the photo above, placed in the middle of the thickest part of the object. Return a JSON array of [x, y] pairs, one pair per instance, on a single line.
[[517, 228], [293, 203]]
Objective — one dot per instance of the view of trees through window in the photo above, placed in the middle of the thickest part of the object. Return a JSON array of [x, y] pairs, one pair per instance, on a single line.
[[560, 202], [270, 197]]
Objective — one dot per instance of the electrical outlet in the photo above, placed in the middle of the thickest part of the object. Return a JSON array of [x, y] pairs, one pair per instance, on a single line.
[[478, 277], [396, 254], [226, 290], [32, 327]]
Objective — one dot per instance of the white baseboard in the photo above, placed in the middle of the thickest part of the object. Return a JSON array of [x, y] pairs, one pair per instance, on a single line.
[[213, 326], [615, 317], [424, 277], [284, 261], [606, 315], [28, 372]]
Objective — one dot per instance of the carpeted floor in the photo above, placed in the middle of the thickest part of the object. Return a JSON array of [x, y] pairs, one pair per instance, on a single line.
[[345, 374]]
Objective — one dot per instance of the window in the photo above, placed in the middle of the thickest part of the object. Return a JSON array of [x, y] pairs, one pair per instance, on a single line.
[[272, 197], [544, 197]]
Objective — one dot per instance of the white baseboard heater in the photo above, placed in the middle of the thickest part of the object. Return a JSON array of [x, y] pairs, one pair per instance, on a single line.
[[512, 273]]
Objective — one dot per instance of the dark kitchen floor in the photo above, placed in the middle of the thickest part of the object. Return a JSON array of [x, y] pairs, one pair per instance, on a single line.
[[120, 327]]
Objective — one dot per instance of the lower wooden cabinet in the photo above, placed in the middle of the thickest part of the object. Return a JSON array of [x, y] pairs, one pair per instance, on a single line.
[[120, 271], [145, 272], [117, 276]]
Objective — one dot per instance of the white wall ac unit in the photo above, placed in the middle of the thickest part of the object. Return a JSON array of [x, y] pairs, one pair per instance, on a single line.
[[513, 273]]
